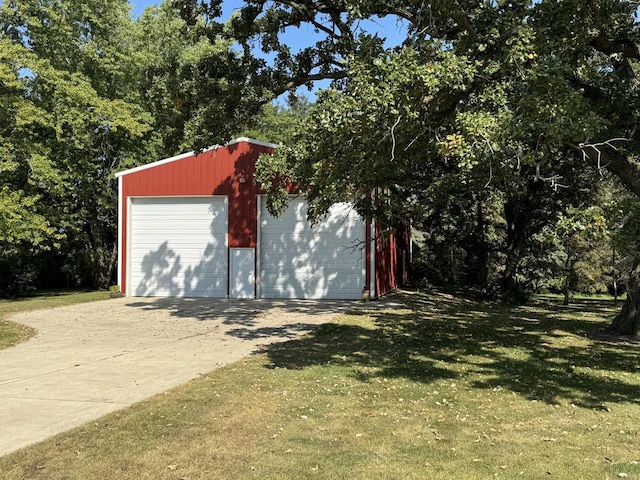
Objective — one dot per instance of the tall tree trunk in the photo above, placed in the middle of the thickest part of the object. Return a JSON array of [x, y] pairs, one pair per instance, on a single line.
[[452, 280], [614, 273], [565, 286], [628, 320], [509, 281], [103, 253], [568, 277], [483, 249], [517, 222]]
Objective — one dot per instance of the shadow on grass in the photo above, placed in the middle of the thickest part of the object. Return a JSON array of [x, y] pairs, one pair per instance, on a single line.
[[290, 330], [540, 352], [44, 294]]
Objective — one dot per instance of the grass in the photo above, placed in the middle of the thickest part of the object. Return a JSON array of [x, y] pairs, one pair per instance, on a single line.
[[12, 333], [443, 388]]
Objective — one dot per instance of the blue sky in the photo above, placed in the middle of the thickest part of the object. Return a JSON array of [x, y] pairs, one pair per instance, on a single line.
[[389, 28]]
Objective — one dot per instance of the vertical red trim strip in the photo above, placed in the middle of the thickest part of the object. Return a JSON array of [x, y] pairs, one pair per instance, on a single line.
[[124, 235]]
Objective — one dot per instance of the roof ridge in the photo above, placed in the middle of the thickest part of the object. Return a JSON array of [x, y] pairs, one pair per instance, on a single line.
[[192, 153]]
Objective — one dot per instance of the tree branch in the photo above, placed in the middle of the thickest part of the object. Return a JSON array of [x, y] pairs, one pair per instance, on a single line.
[[310, 18], [604, 45], [605, 155], [301, 80]]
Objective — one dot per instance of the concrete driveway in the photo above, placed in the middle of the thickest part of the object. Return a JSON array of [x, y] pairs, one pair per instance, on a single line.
[[91, 359]]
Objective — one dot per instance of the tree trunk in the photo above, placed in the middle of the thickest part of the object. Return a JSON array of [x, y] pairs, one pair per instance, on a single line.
[[614, 273], [568, 272], [517, 221], [452, 274], [103, 253], [626, 167], [104, 260], [628, 320], [622, 165], [483, 249]]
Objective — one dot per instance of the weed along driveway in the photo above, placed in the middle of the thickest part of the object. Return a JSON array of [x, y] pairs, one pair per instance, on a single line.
[[94, 358]]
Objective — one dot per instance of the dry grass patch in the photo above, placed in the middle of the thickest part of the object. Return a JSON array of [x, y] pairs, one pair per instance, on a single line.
[[445, 388], [12, 333]]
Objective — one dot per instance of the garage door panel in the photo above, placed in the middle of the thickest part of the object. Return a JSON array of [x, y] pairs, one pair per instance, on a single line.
[[301, 261], [178, 247], [161, 223], [309, 262], [325, 254], [180, 285], [178, 243]]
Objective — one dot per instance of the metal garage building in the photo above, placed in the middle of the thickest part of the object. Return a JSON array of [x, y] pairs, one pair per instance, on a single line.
[[196, 225]]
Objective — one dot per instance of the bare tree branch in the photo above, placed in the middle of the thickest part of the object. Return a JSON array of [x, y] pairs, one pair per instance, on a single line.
[[310, 17], [623, 165]]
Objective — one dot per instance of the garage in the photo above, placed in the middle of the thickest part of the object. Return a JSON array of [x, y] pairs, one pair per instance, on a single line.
[[298, 260], [196, 225], [178, 247]]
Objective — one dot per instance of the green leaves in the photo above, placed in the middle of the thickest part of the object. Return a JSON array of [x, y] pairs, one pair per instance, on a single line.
[[372, 135], [20, 221], [71, 118]]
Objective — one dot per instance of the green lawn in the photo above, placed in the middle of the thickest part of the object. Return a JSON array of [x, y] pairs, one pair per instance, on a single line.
[[12, 333], [445, 388]]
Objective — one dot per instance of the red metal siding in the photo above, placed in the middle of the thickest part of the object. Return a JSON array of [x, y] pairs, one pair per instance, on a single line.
[[392, 259], [218, 172], [367, 254], [385, 264], [214, 172]]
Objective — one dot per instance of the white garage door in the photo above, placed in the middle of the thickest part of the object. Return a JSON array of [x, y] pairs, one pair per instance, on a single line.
[[178, 247], [298, 261]]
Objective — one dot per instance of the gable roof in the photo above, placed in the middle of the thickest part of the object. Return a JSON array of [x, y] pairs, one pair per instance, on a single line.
[[190, 154]]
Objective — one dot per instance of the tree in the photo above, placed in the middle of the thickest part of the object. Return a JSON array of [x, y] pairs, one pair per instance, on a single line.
[[476, 86], [72, 122], [24, 225], [277, 123], [85, 93], [578, 232], [183, 62], [624, 216]]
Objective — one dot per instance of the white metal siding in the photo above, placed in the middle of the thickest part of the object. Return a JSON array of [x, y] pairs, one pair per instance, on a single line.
[[178, 247], [242, 272], [300, 261]]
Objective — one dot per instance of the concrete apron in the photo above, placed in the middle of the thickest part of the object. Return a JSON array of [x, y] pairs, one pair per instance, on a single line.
[[91, 359]]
